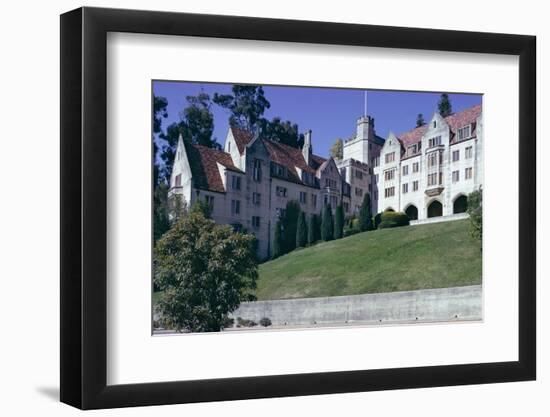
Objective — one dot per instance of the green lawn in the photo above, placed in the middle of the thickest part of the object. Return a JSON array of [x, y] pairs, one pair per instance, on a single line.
[[407, 258]]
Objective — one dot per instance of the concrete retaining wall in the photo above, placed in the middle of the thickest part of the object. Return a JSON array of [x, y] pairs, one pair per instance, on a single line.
[[446, 304]]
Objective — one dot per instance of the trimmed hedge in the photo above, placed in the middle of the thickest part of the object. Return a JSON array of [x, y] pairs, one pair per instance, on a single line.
[[393, 219]]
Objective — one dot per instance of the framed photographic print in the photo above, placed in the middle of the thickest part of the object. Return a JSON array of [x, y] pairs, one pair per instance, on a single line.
[[257, 208]]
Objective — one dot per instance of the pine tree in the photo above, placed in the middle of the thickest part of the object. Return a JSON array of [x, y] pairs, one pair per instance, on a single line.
[[277, 240], [339, 222], [311, 229], [301, 231], [365, 215], [420, 120], [327, 224], [444, 106], [289, 226]]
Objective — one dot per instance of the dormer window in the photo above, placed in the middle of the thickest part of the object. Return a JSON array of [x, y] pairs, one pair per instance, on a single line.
[[464, 132]]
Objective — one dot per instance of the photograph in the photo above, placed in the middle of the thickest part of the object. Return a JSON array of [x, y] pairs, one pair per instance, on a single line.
[[294, 207]]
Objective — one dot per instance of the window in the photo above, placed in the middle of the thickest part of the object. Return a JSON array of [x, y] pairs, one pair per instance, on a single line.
[[359, 174], [358, 191], [390, 157], [177, 181], [235, 207], [333, 201], [432, 179], [436, 141], [415, 185], [346, 207], [432, 159], [405, 188], [376, 161], [415, 166], [405, 170], [456, 176], [256, 199], [257, 173], [468, 173], [376, 178], [280, 191], [464, 132], [389, 174], [210, 201], [456, 155], [303, 197], [236, 182], [468, 152], [278, 170], [435, 124], [179, 155], [389, 192], [280, 212], [330, 183], [228, 146], [314, 200], [256, 221]]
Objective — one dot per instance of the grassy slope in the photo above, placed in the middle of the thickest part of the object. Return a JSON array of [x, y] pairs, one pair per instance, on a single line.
[[407, 258]]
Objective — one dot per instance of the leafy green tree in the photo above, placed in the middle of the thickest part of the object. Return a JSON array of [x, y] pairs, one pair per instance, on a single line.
[[161, 222], [365, 214], [337, 149], [246, 105], [444, 105], [301, 231], [283, 132], [290, 225], [277, 240], [311, 229], [206, 271], [202, 207], [420, 120], [199, 120], [327, 224], [475, 210], [339, 222]]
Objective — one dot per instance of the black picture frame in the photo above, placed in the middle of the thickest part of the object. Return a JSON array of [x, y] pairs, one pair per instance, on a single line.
[[84, 207]]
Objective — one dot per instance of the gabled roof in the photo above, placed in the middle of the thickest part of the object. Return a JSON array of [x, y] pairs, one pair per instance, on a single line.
[[242, 138], [455, 122], [204, 166]]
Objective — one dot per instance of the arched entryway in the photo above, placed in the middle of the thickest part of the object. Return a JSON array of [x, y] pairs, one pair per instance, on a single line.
[[435, 209], [460, 204], [412, 212]]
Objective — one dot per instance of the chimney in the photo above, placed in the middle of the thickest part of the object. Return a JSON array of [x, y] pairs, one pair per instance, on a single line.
[[365, 128], [307, 149]]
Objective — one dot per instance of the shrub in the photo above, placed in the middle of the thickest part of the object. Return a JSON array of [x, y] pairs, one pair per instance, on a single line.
[[475, 210], [350, 231], [327, 227], [311, 229], [365, 214], [290, 226], [393, 219], [377, 219], [301, 231], [277, 241], [265, 321], [339, 222], [245, 322]]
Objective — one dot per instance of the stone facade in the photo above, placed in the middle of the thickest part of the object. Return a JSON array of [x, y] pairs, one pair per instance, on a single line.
[[249, 183]]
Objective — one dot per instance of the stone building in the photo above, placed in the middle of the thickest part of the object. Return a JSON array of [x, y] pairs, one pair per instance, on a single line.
[[429, 171], [426, 172]]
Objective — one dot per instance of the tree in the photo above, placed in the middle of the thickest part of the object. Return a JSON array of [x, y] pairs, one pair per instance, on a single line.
[[277, 240], [202, 207], [337, 149], [475, 210], [161, 222], [290, 225], [327, 224], [283, 132], [420, 120], [206, 271], [199, 120], [301, 231], [160, 105], [365, 214], [339, 222], [246, 105], [311, 229], [444, 105]]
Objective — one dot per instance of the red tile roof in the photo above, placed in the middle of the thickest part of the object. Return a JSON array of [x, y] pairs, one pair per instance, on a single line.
[[204, 167], [242, 138], [455, 121]]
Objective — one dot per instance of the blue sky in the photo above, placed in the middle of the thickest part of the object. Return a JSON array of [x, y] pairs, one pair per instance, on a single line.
[[329, 112]]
